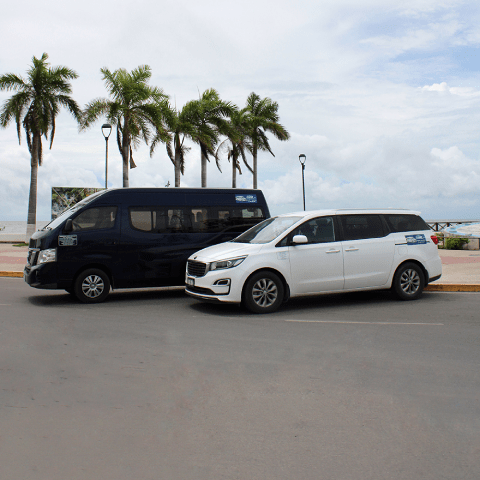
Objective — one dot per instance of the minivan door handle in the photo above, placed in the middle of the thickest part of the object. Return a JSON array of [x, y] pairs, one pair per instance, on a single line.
[[351, 249], [332, 251]]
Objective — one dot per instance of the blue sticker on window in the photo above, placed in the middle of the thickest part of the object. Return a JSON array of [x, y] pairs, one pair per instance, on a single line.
[[416, 239], [246, 198]]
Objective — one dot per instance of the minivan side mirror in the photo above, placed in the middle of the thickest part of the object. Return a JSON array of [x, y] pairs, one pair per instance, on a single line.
[[298, 239], [68, 226]]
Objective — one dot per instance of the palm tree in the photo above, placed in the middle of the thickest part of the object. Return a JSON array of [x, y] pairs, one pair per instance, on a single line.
[[263, 118], [209, 117], [135, 108], [180, 126], [35, 106], [237, 142], [190, 123]]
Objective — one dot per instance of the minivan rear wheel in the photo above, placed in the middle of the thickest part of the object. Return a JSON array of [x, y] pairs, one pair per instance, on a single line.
[[92, 286], [263, 292], [409, 281]]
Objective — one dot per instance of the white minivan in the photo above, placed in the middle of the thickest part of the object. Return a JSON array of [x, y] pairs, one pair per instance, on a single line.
[[323, 251]]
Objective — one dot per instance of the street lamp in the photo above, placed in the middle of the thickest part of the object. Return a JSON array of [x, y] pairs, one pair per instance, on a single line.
[[106, 130], [302, 159]]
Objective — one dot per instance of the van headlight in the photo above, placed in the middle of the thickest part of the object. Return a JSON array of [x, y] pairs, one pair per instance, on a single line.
[[47, 256], [223, 264]]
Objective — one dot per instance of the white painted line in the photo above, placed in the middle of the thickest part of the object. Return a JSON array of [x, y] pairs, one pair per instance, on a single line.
[[363, 323]]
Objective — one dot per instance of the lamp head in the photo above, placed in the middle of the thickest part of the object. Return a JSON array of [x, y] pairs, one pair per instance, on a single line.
[[106, 130], [302, 158]]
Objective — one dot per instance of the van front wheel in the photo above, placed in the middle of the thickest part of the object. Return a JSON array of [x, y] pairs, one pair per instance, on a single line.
[[408, 282], [92, 286], [263, 292]]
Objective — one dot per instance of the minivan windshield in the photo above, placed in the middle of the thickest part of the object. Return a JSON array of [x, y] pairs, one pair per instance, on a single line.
[[267, 231], [68, 213]]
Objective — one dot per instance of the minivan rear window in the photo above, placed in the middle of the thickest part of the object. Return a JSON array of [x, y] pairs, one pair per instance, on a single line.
[[405, 223], [198, 219]]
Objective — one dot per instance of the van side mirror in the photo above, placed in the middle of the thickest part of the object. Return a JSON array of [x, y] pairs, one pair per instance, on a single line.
[[299, 239], [68, 226]]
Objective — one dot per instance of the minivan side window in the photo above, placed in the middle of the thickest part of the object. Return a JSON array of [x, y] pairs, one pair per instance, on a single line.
[[358, 227], [317, 230], [96, 218], [162, 219], [405, 223]]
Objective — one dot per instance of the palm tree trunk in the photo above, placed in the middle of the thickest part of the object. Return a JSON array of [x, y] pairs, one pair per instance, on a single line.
[[204, 168], [234, 170], [32, 198], [125, 153], [254, 166], [177, 168]]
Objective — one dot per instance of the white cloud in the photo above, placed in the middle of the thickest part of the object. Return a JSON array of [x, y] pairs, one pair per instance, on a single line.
[[376, 131]]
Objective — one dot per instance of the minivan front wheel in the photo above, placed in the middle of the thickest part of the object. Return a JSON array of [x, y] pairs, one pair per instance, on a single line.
[[263, 292], [92, 286], [409, 281]]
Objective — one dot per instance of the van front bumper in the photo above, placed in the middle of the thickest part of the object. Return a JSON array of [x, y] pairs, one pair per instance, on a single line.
[[41, 276]]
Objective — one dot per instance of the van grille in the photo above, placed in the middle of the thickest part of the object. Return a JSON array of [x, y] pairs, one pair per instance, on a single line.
[[32, 256], [196, 269]]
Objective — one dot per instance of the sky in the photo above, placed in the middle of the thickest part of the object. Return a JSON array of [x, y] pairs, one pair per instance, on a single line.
[[383, 97]]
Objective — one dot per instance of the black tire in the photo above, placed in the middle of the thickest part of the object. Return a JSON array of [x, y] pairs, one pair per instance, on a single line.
[[92, 286], [408, 282], [263, 292]]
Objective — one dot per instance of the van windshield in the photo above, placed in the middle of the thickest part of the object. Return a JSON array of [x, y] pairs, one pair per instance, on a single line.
[[68, 213], [267, 230]]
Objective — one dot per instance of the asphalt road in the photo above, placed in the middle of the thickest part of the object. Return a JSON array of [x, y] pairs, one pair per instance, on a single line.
[[154, 385]]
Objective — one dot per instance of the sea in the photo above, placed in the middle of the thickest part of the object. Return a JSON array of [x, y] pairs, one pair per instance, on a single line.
[[12, 231]]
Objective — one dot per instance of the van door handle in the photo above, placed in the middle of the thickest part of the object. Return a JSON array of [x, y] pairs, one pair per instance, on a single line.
[[332, 251], [351, 249]]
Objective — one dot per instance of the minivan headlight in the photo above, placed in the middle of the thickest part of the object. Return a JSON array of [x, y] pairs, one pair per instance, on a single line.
[[223, 264], [46, 256]]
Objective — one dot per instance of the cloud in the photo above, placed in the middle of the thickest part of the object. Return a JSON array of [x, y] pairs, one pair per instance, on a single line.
[[371, 92]]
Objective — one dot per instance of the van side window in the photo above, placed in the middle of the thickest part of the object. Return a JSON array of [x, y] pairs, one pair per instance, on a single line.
[[97, 218], [357, 227], [405, 223], [317, 230], [160, 219]]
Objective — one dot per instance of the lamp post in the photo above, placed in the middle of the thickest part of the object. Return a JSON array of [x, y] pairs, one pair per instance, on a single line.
[[302, 159], [106, 130]]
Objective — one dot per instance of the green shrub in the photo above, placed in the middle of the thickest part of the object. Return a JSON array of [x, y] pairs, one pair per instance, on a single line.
[[455, 243]]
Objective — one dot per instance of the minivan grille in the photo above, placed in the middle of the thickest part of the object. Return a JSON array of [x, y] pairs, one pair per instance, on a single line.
[[196, 269]]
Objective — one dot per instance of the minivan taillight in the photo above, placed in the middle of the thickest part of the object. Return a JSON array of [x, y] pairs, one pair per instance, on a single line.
[[434, 239]]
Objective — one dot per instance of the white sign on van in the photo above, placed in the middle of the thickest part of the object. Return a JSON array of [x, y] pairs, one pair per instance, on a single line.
[[67, 240], [246, 198]]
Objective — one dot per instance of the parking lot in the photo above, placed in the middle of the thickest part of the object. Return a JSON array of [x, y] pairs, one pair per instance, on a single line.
[[152, 384]]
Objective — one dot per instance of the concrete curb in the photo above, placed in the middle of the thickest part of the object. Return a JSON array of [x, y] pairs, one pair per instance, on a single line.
[[440, 287], [11, 274], [454, 287]]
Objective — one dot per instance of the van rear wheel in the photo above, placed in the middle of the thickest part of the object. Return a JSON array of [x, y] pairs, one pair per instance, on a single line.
[[92, 286]]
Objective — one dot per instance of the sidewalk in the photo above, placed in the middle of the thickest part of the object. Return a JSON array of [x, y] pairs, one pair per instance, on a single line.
[[461, 268]]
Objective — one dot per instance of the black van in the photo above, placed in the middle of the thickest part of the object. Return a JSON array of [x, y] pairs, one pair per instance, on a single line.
[[136, 237]]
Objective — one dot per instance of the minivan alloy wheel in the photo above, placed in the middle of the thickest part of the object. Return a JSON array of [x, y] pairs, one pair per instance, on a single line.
[[263, 292], [410, 281]]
